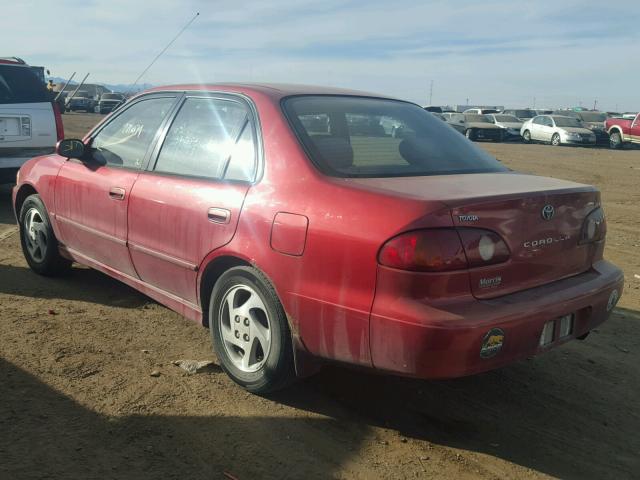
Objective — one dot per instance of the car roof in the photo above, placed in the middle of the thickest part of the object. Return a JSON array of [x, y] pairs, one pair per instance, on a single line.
[[12, 61], [274, 90]]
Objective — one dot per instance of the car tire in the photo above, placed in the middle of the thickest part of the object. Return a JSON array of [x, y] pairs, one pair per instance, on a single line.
[[470, 134], [526, 136], [615, 140], [38, 241], [250, 332], [555, 140]]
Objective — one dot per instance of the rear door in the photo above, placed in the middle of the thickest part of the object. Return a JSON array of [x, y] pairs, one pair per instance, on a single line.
[[93, 194], [188, 201]]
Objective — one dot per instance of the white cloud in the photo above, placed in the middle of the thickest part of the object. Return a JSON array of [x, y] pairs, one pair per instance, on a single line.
[[500, 52]]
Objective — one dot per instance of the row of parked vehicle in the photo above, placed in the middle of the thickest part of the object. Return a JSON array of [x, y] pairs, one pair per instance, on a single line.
[[556, 127], [83, 101]]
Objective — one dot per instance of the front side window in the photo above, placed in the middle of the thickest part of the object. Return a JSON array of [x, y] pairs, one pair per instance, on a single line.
[[538, 120], [370, 137], [125, 140], [204, 136]]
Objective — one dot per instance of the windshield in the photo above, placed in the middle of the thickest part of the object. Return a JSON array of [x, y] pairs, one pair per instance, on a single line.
[[111, 96], [507, 119], [567, 122], [368, 137], [593, 116], [20, 84], [471, 117]]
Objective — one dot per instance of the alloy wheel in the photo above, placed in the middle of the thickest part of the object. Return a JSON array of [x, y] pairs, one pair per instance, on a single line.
[[35, 235], [245, 328]]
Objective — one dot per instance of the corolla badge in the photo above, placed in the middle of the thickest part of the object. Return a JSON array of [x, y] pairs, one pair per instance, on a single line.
[[548, 212]]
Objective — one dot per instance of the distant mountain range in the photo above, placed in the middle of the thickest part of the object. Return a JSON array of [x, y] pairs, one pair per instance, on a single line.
[[119, 87]]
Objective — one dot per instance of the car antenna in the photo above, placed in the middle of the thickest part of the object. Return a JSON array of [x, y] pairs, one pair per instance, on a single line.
[[163, 50]]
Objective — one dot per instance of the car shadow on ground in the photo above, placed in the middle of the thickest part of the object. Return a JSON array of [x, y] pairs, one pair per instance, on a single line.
[[6, 210], [46, 434], [82, 284], [567, 414]]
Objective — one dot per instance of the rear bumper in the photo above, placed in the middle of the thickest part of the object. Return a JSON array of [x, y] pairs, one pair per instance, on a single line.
[[429, 340], [583, 141]]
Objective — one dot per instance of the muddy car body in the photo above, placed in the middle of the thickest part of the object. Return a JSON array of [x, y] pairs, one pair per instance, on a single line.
[[298, 242]]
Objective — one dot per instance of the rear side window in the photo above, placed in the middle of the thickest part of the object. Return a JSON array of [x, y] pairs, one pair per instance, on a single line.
[[19, 84], [208, 138], [124, 141], [370, 137]]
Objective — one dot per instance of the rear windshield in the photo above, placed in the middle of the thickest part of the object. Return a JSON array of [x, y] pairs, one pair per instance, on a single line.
[[567, 122], [593, 116], [19, 84], [507, 118], [476, 118], [525, 113], [368, 137]]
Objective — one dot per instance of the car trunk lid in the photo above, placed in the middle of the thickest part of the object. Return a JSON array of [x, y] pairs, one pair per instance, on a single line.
[[543, 246]]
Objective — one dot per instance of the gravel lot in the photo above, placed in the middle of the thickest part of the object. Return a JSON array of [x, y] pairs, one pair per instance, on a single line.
[[77, 399]]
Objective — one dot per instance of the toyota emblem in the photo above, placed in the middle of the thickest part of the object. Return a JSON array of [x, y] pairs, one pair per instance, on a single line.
[[548, 212]]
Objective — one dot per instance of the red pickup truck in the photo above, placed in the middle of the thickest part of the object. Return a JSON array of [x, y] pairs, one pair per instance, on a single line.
[[623, 131]]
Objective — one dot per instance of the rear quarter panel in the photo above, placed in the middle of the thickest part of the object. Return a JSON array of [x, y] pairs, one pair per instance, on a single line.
[[327, 292]]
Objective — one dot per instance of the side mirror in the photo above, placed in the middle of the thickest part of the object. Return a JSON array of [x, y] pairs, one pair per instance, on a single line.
[[70, 148]]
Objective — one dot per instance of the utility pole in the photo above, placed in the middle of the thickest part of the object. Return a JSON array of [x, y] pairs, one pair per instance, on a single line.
[[595, 103], [534, 103], [431, 93]]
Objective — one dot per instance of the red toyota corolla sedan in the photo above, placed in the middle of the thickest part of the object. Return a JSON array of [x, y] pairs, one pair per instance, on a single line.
[[305, 225]]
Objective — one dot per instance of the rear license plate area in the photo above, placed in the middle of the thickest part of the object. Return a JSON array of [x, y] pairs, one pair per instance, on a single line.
[[557, 329]]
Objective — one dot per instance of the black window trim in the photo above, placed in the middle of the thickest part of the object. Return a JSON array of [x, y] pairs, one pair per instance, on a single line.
[[251, 118], [151, 147]]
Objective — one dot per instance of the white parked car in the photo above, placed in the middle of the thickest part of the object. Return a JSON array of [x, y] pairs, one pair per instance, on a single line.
[[510, 125], [30, 122], [557, 130]]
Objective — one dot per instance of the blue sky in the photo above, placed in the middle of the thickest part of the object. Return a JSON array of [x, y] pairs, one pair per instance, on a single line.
[[562, 52]]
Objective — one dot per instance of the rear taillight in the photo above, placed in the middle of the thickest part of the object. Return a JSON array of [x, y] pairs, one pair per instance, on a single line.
[[594, 228], [58, 117], [435, 250], [483, 247], [443, 249]]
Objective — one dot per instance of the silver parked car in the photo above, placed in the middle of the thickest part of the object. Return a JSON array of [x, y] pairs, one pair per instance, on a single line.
[[509, 124], [557, 130]]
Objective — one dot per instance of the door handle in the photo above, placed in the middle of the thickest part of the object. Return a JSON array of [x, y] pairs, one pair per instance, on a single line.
[[116, 193], [219, 215]]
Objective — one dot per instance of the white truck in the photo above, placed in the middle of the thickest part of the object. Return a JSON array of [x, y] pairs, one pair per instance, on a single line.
[[30, 121]]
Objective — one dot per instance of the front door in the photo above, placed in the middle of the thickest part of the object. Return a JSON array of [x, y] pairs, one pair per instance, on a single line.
[[188, 201], [92, 194]]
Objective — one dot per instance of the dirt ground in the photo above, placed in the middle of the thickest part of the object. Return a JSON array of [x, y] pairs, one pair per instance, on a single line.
[[77, 399]]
